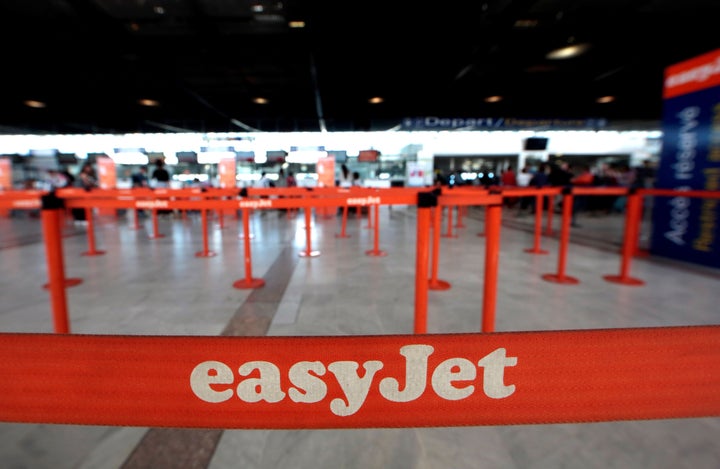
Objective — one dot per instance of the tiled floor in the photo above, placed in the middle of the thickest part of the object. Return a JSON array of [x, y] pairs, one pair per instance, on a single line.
[[146, 286]]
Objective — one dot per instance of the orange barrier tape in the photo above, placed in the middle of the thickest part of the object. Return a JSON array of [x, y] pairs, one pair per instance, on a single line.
[[361, 381]]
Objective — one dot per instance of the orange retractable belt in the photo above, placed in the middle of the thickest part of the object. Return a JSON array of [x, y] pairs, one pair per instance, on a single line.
[[361, 381]]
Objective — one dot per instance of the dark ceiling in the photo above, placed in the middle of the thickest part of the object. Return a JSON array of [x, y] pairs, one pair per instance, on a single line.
[[204, 61]]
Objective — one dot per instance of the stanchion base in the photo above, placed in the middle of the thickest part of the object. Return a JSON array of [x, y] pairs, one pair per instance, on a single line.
[[309, 254], [338, 235], [69, 282], [205, 254], [438, 285], [158, 236], [249, 283], [557, 279], [623, 280], [93, 253], [375, 253], [535, 251]]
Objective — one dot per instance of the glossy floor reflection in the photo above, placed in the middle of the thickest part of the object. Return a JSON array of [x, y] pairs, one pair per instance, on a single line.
[[158, 286]]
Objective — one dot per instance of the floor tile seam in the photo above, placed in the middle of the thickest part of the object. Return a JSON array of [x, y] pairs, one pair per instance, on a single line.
[[169, 440]]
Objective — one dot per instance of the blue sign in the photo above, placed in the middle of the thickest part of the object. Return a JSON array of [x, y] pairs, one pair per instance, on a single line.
[[686, 228]]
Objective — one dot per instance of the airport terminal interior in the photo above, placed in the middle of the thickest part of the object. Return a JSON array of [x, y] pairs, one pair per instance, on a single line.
[[407, 94], [144, 286]]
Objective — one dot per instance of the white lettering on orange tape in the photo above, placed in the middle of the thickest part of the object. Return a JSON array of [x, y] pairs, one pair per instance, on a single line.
[[26, 203], [264, 203], [151, 204], [363, 201], [308, 387]]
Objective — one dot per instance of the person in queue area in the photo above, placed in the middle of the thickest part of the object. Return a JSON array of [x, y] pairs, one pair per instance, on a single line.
[[583, 178], [86, 179]]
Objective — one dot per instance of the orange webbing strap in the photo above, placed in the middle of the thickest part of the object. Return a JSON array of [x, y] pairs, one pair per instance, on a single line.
[[361, 381]]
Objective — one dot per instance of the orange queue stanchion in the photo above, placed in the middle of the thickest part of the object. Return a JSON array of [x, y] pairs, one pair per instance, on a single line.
[[91, 234], [206, 252], [559, 276], [550, 211], [426, 202], [156, 230], [343, 224], [376, 251], [493, 221], [449, 232], [435, 283], [249, 281], [629, 242], [538, 226], [51, 215], [308, 252], [460, 212]]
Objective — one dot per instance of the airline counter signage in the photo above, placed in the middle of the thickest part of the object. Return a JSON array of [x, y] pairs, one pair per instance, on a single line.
[[684, 228]]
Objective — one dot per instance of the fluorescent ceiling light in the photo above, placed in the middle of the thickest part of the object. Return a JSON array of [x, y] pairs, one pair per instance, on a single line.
[[296, 24], [568, 51], [129, 157], [305, 156], [214, 157]]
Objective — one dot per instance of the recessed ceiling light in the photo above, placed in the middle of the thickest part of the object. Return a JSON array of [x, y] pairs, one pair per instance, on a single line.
[[35, 104], [159, 10], [296, 24], [568, 51], [257, 8], [260, 100], [526, 23], [148, 102], [376, 100], [605, 99], [493, 99]]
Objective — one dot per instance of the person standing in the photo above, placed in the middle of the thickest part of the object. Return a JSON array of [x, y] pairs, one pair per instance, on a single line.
[[160, 175], [87, 180]]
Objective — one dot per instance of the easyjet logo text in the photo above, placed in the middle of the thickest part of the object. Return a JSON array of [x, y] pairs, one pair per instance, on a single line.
[[255, 203], [306, 382], [363, 201], [151, 204]]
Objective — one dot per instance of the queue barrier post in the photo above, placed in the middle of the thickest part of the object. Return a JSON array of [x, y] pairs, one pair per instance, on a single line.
[[156, 230], [629, 242], [248, 281], [493, 221], [482, 233], [91, 234], [308, 252], [449, 233], [425, 202], [567, 208], [51, 215], [375, 251], [638, 250], [460, 212], [206, 252], [538, 227], [343, 226], [551, 211], [435, 283]]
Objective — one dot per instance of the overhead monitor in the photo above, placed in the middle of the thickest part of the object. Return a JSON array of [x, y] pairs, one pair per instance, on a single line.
[[535, 144]]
